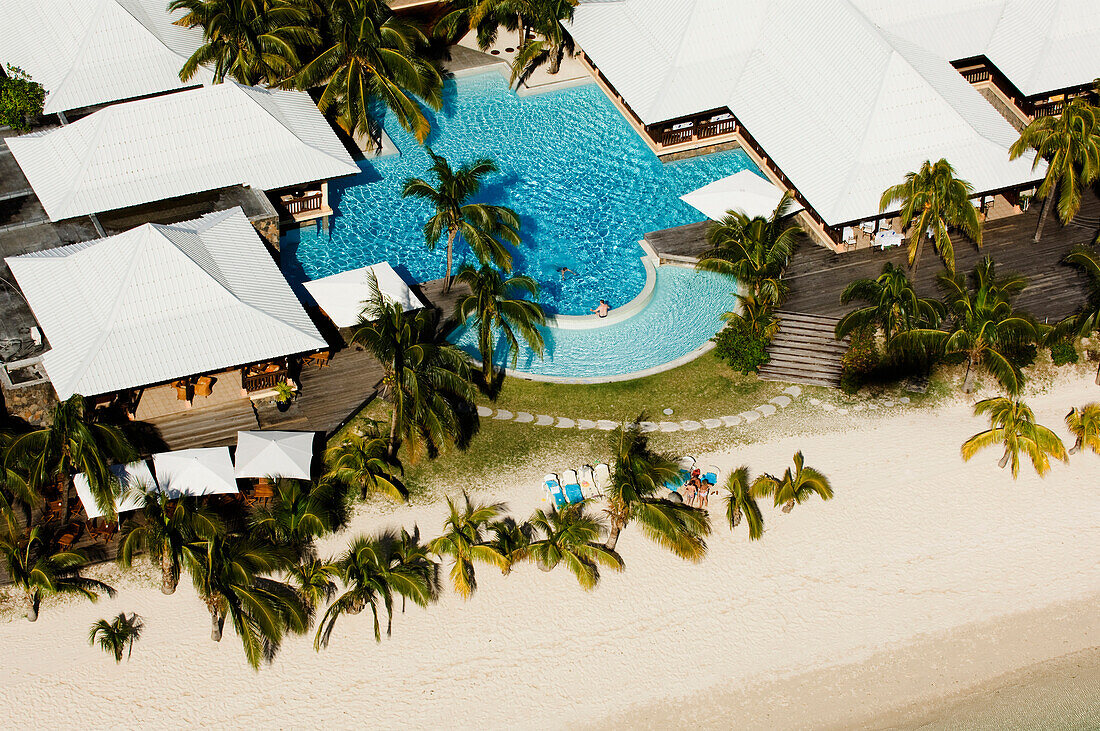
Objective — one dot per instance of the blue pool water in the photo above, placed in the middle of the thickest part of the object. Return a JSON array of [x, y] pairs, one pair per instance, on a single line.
[[585, 186], [684, 313]]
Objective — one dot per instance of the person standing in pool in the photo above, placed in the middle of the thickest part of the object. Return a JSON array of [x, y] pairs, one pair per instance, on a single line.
[[563, 270], [602, 309]]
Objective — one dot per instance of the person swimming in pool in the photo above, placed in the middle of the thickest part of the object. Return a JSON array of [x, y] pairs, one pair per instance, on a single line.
[[563, 270], [602, 309]]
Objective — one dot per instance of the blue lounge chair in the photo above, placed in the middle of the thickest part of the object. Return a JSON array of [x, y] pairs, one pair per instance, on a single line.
[[554, 488], [711, 475], [572, 486]]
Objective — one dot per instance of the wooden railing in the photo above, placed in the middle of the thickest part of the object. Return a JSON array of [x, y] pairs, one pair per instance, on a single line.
[[252, 382], [302, 204], [716, 127], [700, 127], [976, 75]]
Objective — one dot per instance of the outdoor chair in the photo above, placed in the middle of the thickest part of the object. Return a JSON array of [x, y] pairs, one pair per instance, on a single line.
[[68, 536], [203, 386], [319, 359]]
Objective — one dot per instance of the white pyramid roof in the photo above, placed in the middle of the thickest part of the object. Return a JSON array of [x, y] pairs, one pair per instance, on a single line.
[[172, 145], [744, 191], [91, 52], [203, 471], [132, 477], [341, 295], [161, 302], [274, 454], [842, 107]]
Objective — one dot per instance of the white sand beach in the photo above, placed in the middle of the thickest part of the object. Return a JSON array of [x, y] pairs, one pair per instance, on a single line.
[[923, 578]]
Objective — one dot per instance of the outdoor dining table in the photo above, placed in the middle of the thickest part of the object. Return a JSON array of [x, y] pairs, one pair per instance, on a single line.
[[886, 239]]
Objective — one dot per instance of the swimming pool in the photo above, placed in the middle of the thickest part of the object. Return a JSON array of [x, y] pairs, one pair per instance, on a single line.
[[586, 188], [683, 314]]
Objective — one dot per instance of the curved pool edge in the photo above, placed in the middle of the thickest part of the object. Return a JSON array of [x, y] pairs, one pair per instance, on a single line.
[[590, 380], [650, 261]]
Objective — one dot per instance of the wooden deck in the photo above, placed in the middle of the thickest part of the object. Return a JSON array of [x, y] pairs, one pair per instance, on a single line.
[[818, 276]]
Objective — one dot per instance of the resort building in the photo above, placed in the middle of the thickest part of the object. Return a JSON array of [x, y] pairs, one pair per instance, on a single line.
[[87, 53], [198, 305], [837, 100]]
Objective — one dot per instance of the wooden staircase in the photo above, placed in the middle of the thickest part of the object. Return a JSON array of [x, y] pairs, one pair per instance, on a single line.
[[805, 351]]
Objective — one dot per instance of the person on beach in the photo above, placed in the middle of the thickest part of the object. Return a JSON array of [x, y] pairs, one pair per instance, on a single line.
[[689, 493], [701, 495], [602, 309]]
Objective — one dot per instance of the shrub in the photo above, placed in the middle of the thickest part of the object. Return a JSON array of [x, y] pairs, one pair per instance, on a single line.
[[21, 99], [1063, 352], [861, 360], [736, 345]]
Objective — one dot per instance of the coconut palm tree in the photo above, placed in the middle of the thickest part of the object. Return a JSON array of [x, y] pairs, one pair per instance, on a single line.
[[1070, 145], [408, 551], [73, 442], [756, 316], [252, 41], [892, 305], [14, 485], [314, 579], [1012, 424], [932, 201], [571, 536], [511, 540], [494, 314], [117, 635], [1084, 424], [740, 503], [754, 250], [552, 40], [229, 573], [362, 461], [298, 514], [372, 572], [982, 325], [465, 541], [369, 54], [639, 476], [426, 379], [37, 569], [793, 487], [1087, 318], [486, 229], [163, 527]]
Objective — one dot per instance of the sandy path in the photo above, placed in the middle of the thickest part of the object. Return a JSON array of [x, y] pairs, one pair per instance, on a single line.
[[915, 544]]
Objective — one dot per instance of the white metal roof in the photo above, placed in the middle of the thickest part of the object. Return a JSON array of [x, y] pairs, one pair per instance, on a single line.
[[203, 471], [132, 477], [91, 52], [843, 108], [171, 145], [161, 302], [744, 191], [274, 454], [341, 295]]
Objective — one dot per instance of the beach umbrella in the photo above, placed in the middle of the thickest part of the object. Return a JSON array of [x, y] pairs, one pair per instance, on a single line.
[[275, 454], [744, 191], [205, 471], [341, 295], [131, 477]]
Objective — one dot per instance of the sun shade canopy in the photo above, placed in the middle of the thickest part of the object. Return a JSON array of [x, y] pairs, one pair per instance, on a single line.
[[132, 478], [275, 454], [744, 191], [204, 471], [341, 295]]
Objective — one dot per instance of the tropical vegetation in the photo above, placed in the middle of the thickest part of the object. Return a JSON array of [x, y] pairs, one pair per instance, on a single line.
[[1084, 424], [893, 305], [117, 635], [1012, 425], [363, 462], [794, 487], [21, 99], [550, 42], [571, 536], [741, 504], [1087, 318], [465, 540]]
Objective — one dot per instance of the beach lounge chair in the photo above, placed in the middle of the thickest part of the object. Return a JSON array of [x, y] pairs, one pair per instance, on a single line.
[[711, 474], [588, 482], [602, 476], [554, 488], [572, 486], [686, 465]]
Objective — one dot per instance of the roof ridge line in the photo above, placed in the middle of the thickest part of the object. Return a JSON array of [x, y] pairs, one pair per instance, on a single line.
[[245, 90]]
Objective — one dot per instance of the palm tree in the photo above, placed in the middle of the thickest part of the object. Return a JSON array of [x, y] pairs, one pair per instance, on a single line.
[[741, 503], [370, 54], [36, 569], [14, 484], [983, 325], [793, 487], [756, 316], [545, 17], [639, 476], [1070, 145], [426, 379], [1087, 318], [314, 579], [165, 526], [1012, 424], [892, 304], [511, 540], [252, 41], [571, 536], [117, 635], [464, 539], [409, 552], [932, 201], [1084, 424], [754, 250], [372, 571], [362, 461], [298, 514], [74, 442], [485, 228], [228, 573], [492, 310]]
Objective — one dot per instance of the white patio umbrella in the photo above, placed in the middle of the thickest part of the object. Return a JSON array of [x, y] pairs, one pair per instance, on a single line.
[[131, 477], [341, 295], [205, 471], [275, 454], [744, 191]]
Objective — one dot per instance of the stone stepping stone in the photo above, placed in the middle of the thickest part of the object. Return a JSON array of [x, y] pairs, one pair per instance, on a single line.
[[815, 401], [543, 420], [731, 420], [522, 417], [690, 425], [564, 423], [504, 415], [669, 426], [712, 423], [766, 409], [793, 391], [584, 424], [903, 400], [647, 426], [887, 404], [606, 424], [873, 407], [781, 401], [483, 411], [828, 407], [749, 416]]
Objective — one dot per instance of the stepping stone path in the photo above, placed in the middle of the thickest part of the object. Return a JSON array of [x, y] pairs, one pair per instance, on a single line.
[[766, 409], [584, 424], [564, 423], [504, 415], [542, 420], [670, 426], [482, 411], [731, 420], [690, 425], [606, 424], [712, 423], [749, 416], [523, 417], [781, 401]]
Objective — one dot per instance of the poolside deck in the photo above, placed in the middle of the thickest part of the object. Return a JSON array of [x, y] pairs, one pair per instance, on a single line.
[[818, 276]]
